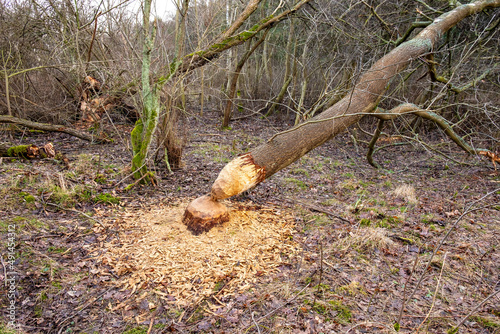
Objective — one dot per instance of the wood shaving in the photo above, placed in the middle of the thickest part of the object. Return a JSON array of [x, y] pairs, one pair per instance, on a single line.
[[154, 247]]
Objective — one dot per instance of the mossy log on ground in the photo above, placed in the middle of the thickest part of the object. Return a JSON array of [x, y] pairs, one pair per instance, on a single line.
[[32, 152]]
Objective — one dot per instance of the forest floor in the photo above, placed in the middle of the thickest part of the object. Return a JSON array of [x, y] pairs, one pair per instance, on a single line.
[[328, 245]]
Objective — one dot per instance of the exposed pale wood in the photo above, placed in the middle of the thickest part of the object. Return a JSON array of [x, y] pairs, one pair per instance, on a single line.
[[204, 213], [237, 176]]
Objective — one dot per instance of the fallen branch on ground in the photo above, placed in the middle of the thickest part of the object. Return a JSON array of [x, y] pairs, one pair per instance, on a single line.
[[50, 127], [32, 152]]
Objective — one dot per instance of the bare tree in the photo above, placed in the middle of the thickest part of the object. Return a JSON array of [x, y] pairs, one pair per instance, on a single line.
[[145, 127]]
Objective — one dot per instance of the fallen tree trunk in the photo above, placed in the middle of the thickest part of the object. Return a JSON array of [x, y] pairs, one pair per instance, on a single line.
[[286, 147], [49, 127], [246, 171]]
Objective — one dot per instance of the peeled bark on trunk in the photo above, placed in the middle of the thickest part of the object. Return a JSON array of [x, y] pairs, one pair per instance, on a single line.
[[286, 147]]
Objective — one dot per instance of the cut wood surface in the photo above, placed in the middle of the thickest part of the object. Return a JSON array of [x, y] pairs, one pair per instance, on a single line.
[[204, 213]]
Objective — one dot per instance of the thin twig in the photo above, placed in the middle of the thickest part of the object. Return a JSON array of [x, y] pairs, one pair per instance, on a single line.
[[316, 208], [320, 271], [79, 212], [474, 310], [81, 309], [435, 294], [467, 211], [373, 324], [256, 324], [4, 269], [151, 323], [284, 304], [406, 285], [371, 145]]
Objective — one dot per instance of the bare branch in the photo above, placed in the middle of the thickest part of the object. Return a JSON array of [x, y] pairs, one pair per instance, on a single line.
[[50, 127]]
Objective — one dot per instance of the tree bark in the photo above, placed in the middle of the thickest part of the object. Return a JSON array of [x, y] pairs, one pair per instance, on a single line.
[[49, 127], [233, 81], [227, 40], [142, 134], [281, 150]]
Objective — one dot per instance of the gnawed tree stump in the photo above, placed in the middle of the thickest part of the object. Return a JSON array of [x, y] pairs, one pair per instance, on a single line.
[[237, 176], [204, 213], [282, 149]]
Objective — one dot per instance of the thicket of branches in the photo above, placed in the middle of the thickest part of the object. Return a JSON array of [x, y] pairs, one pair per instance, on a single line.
[[313, 58]]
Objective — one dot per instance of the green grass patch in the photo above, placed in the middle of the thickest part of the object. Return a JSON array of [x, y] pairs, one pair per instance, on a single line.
[[298, 183], [330, 202], [389, 222], [57, 250], [6, 330], [100, 178], [106, 198], [300, 171], [321, 220], [365, 222], [486, 322], [137, 330], [344, 314], [219, 285], [28, 198]]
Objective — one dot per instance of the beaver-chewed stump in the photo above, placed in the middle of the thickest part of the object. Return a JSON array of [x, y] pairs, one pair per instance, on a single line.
[[239, 175], [204, 213]]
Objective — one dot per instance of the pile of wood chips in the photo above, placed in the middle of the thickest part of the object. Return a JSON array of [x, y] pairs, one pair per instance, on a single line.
[[153, 246]]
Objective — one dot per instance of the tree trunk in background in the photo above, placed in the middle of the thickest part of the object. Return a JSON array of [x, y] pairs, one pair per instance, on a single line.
[[170, 143], [281, 150], [265, 62], [288, 69], [305, 78], [291, 102], [180, 26], [142, 134], [180, 35], [233, 80]]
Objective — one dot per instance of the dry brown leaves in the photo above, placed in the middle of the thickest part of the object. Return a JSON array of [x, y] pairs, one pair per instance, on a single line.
[[153, 246]]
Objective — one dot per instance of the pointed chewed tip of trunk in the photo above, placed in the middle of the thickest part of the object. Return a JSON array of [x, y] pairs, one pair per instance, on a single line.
[[204, 213], [239, 175]]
